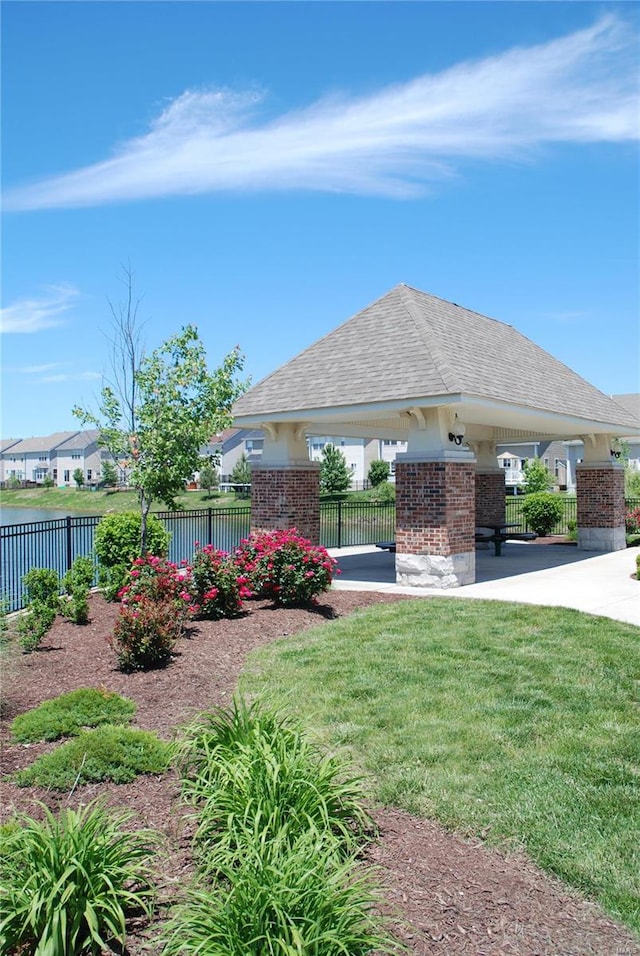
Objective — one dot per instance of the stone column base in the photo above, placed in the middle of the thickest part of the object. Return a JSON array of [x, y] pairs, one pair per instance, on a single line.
[[601, 539], [436, 570]]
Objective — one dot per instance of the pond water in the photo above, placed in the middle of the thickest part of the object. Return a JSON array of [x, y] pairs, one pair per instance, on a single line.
[[12, 515]]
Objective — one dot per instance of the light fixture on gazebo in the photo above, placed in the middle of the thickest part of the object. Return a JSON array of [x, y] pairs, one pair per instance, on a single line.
[[458, 431]]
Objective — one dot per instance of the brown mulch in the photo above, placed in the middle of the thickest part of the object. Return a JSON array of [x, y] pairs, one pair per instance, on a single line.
[[446, 894]]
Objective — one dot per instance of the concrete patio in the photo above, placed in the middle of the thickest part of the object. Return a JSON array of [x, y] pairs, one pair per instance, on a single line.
[[549, 574]]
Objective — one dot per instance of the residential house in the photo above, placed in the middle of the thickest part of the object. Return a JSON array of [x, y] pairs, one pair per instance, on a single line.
[[10, 465], [79, 451], [54, 456]]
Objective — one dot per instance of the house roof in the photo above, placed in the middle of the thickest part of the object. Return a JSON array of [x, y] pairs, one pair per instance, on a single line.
[[412, 348], [7, 443], [631, 402], [45, 443], [79, 440]]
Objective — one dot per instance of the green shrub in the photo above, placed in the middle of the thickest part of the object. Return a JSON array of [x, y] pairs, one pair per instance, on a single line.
[[42, 590], [285, 899], [119, 754], [378, 472], [251, 772], [74, 603], [217, 585], [542, 511], [70, 713], [285, 566], [42, 586], [384, 492], [278, 835], [68, 882], [537, 477], [572, 530], [117, 545]]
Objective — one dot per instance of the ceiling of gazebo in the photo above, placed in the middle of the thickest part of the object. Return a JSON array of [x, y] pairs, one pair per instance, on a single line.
[[410, 350]]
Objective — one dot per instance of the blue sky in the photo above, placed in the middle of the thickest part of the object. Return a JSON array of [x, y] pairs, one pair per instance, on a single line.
[[269, 169]]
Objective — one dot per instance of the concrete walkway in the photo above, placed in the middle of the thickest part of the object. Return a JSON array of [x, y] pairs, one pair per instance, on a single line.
[[556, 575]]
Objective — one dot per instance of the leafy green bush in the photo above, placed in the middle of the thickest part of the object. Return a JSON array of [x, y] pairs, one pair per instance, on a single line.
[[537, 477], [278, 836], [378, 472], [255, 776], [282, 898], [285, 566], [335, 475], [217, 585], [70, 713], [112, 753], [117, 545], [74, 603], [67, 883], [42, 589], [542, 512], [384, 492]]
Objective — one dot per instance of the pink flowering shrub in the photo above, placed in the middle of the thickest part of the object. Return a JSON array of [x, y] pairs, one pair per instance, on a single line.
[[632, 521], [285, 566], [145, 634], [155, 606], [218, 585]]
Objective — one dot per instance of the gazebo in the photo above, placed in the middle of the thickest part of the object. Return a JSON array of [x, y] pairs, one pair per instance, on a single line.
[[452, 384]]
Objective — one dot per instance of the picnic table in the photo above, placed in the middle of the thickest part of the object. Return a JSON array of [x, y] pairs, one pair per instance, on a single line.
[[497, 534]]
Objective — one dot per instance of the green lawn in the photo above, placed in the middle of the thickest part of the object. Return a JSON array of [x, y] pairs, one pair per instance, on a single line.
[[516, 723], [85, 501]]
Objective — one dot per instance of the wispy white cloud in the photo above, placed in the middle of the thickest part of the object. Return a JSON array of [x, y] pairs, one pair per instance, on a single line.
[[578, 88], [33, 315], [34, 369], [72, 377]]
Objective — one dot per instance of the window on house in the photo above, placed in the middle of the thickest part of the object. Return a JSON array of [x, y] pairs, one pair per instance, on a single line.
[[89, 473], [55, 474], [76, 456], [66, 475], [43, 458]]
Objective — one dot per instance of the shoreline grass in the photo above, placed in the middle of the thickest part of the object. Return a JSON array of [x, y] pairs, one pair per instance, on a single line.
[[518, 724], [85, 501]]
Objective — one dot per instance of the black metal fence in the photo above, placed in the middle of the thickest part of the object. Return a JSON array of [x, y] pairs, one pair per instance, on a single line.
[[57, 543]]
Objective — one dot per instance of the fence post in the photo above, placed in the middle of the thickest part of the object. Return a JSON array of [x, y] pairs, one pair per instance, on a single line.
[[69, 544], [209, 525], [339, 545]]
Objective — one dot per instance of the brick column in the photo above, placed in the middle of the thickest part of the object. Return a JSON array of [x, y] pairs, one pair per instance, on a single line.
[[284, 497], [490, 493], [601, 506], [435, 523]]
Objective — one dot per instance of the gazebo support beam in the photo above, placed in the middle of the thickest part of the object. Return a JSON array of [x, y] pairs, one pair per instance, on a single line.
[[435, 513]]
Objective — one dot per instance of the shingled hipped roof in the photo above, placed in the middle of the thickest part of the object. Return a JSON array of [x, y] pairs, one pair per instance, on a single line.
[[409, 347]]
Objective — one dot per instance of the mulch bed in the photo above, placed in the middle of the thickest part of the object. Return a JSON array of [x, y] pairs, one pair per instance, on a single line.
[[445, 894]]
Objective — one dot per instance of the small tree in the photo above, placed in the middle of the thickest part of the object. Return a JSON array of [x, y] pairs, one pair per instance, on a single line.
[[109, 478], [162, 408], [537, 476], [542, 511], [208, 476], [78, 477], [335, 477], [378, 472], [241, 472]]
